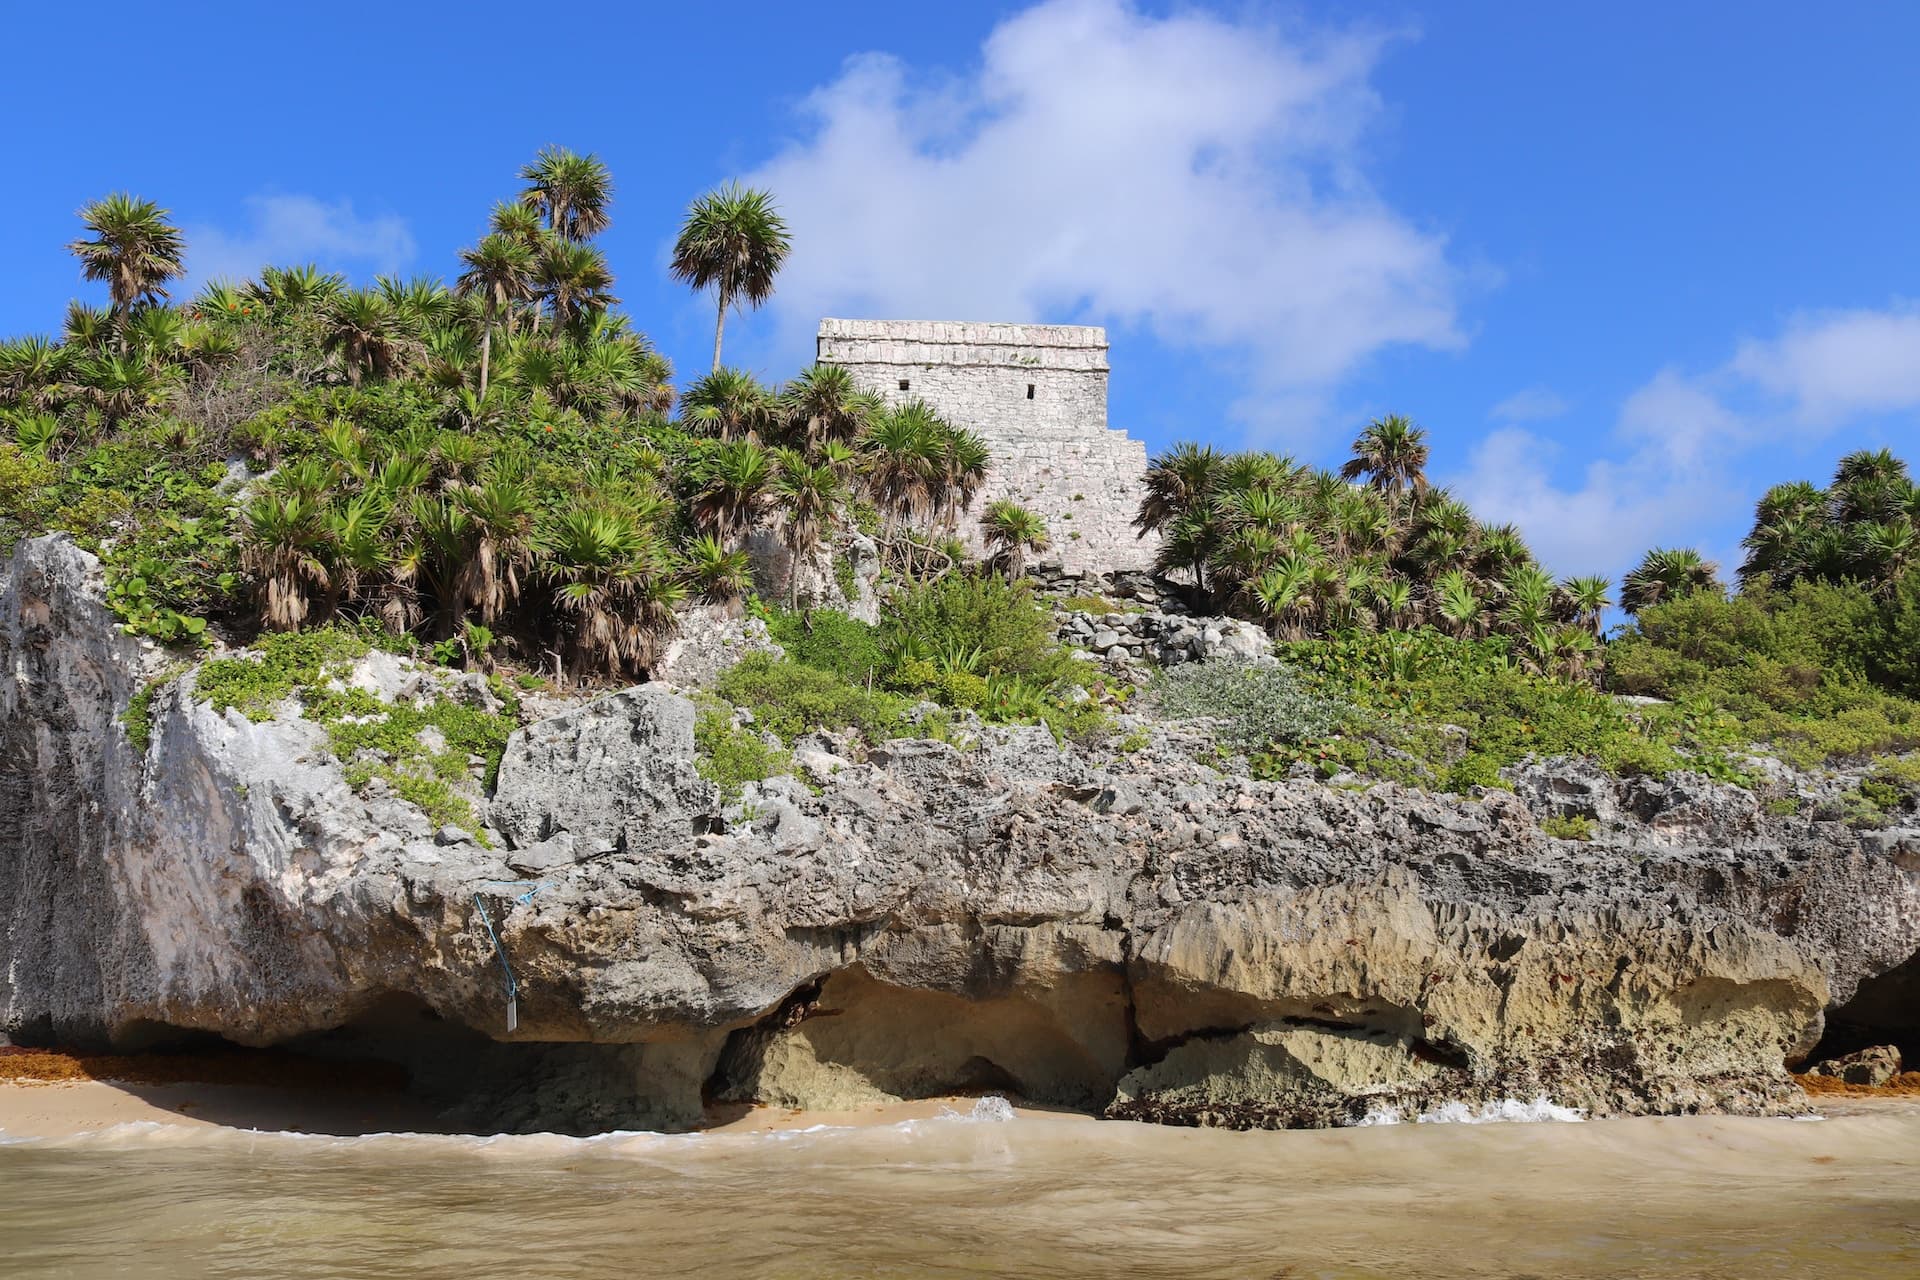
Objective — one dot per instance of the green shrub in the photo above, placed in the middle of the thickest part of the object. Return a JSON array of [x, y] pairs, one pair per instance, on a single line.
[[982, 623], [831, 641], [1818, 671], [1257, 706], [137, 719], [789, 698], [1096, 604], [26, 498], [1572, 826], [731, 757]]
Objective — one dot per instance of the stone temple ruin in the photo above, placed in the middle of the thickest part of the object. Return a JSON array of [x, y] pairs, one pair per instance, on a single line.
[[1037, 394]]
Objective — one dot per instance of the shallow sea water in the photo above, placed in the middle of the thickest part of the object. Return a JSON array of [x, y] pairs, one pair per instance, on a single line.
[[982, 1194]]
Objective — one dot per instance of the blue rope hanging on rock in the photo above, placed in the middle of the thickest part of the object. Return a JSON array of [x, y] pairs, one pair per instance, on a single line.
[[500, 948]]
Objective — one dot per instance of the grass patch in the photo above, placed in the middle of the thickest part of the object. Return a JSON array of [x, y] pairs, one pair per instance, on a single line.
[[1572, 826], [422, 752]]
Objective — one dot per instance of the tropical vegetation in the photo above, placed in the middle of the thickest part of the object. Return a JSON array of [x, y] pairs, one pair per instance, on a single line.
[[501, 473]]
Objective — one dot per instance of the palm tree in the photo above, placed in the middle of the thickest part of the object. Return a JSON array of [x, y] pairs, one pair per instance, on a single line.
[[734, 482], [728, 403], [721, 575], [287, 548], [610, 577], [295, 288], [1667, 573], [1785, 521], [498, 273], [1890, 549], [500, 515], [960, 468], [1178, 482], [30, 367], [734, 241], [1588, 598], [88, 328], [571, 191], [1527, 599], [363, 336], [1457, 604], [808, 495], [1012, 530], [574, 279], [825, 405], [134, 249], [121, 385], [1392, 453]]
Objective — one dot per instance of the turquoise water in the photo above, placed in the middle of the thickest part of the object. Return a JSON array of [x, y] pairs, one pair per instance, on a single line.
[[979, 1196]]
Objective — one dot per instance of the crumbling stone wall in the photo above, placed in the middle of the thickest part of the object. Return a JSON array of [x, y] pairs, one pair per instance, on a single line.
[[1037, 393]]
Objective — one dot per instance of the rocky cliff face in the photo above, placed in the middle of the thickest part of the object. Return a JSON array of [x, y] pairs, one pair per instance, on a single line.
[[1132, 934]]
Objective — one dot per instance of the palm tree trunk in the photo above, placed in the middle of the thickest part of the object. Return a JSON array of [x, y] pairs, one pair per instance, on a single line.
[[719, 326], [486, 351]]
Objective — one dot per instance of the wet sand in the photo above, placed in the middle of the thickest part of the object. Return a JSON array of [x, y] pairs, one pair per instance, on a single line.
[[66, 1108]]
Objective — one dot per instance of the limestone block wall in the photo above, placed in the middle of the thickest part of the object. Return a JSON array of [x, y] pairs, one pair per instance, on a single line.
[[1037, 394]]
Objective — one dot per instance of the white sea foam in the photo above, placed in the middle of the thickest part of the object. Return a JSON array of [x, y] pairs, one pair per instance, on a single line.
[[992, 1109], [1504, 1111]]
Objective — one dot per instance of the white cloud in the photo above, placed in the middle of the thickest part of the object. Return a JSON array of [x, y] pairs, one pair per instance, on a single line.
[[1602, 522], [1693, 450], [1835, 365], [1533, 404], [291, 229], [1190, 174]]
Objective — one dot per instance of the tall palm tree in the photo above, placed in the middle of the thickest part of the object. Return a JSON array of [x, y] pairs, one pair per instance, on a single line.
[[1012, 530], [1392, 453], [498, 274], [134, 249], [571, 191], [960, 469], [807, 495], [1667, 573], [733, 241]]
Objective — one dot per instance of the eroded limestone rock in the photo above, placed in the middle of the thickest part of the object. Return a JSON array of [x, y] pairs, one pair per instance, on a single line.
[[1131, 932]]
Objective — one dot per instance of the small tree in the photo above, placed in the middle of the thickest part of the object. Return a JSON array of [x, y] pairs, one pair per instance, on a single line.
[[134, 249], [1012, 531]]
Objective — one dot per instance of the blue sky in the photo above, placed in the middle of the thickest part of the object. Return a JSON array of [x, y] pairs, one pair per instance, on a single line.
[[1629, 263]]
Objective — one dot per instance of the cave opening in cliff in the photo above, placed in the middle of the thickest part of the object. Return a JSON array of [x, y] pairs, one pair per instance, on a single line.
[[1884, 1010]]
